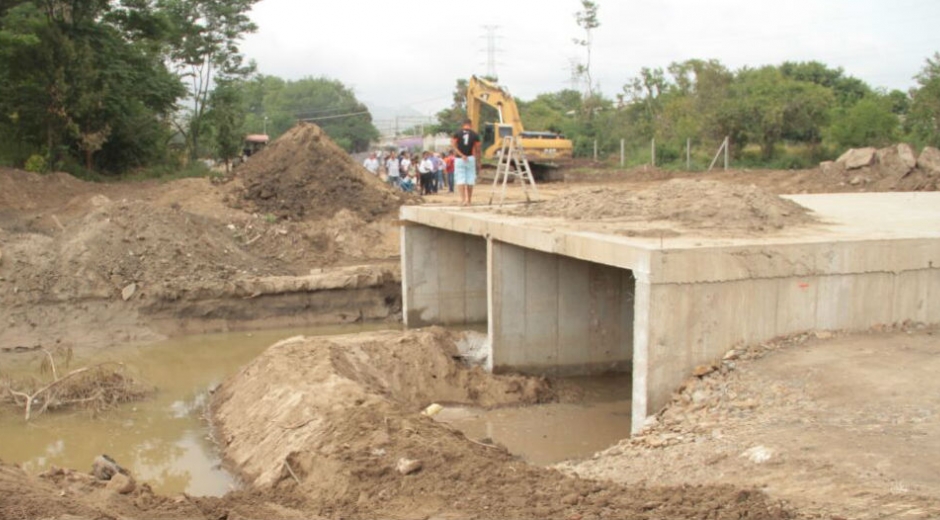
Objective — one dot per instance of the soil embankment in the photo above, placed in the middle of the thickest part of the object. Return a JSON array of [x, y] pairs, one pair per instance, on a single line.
[[136, 262]]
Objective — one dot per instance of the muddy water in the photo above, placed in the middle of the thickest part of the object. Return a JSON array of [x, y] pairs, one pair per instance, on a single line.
[[163, 440], [551, 433]]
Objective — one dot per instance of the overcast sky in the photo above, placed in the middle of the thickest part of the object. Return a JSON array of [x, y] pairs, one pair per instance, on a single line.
[[411, 52]]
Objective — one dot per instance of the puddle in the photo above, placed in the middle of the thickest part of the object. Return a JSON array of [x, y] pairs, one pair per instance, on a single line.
[[163, 440], [551, 433]]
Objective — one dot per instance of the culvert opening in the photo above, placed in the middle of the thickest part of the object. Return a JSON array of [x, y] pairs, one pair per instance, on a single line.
[[541, 419], [591, 414]]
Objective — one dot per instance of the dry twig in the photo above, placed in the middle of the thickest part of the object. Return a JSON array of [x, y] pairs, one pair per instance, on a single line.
[[104, 388], [291, 471]]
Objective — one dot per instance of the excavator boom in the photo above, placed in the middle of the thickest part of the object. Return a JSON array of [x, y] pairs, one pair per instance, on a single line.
[[544, 148]]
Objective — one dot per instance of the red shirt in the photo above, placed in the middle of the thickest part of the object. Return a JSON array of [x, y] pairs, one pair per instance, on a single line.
[[449, 164]]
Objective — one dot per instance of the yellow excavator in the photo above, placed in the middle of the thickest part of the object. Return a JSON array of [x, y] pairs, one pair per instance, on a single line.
[[543, 149]]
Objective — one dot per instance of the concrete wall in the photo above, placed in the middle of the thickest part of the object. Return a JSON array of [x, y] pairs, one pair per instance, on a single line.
[[443, 277], [682, 325], [551, 314]]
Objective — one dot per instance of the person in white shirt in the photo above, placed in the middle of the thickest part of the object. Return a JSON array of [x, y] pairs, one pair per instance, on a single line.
[[394, 174], [372, 164], [426, 171], [404, 165]]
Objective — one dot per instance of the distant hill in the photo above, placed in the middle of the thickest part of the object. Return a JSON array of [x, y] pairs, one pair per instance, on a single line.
[[389, 120]]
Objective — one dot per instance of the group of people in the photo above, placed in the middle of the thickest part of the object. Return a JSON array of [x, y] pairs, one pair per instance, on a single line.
[[432, 172]]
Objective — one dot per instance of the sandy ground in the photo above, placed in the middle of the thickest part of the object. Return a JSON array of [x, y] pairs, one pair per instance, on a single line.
[[823, 425], [838, 425]]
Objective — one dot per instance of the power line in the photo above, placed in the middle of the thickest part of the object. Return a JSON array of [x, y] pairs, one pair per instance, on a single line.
[[333, 117]]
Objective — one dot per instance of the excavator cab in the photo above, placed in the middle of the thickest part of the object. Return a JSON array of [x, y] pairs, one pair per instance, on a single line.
[[493, 133]]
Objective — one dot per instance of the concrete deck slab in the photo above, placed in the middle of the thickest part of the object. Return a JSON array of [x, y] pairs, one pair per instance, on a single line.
[[874, 258]]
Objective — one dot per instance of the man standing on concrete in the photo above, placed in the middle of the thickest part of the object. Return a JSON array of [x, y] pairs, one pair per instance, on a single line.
[[466, 143]]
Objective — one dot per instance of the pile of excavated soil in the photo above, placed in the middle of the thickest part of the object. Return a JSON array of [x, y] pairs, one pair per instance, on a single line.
[[119, 243], [24, 191], [693, 204], [305, 175], [338, 421]]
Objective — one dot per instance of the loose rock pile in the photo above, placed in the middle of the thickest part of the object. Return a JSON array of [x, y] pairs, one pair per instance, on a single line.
[[895, 168]]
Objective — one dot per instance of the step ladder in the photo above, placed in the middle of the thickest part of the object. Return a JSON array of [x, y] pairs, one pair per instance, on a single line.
[[513, 163]]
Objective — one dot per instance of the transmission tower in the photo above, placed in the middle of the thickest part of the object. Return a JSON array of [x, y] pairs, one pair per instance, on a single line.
[[491, 50], [575, 73]]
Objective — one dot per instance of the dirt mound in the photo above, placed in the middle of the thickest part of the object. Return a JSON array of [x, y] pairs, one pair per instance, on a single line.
[[305, 175], [120, 243], [25, 191], [66, 493], [339, 420], [695, 204]]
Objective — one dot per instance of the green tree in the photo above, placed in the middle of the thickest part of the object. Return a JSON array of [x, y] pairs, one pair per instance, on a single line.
[[587, 20], [645, 100], [450, 118], [846, 89], [553, 112], [227, 115], [275, 105], [708, 85], [84, 82], [924, 117], [869, 122], [770, 107], [204, 52]]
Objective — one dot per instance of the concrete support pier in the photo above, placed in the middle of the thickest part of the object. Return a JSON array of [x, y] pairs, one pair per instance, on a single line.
[[565, 297], [445, 282], [550, 314]]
